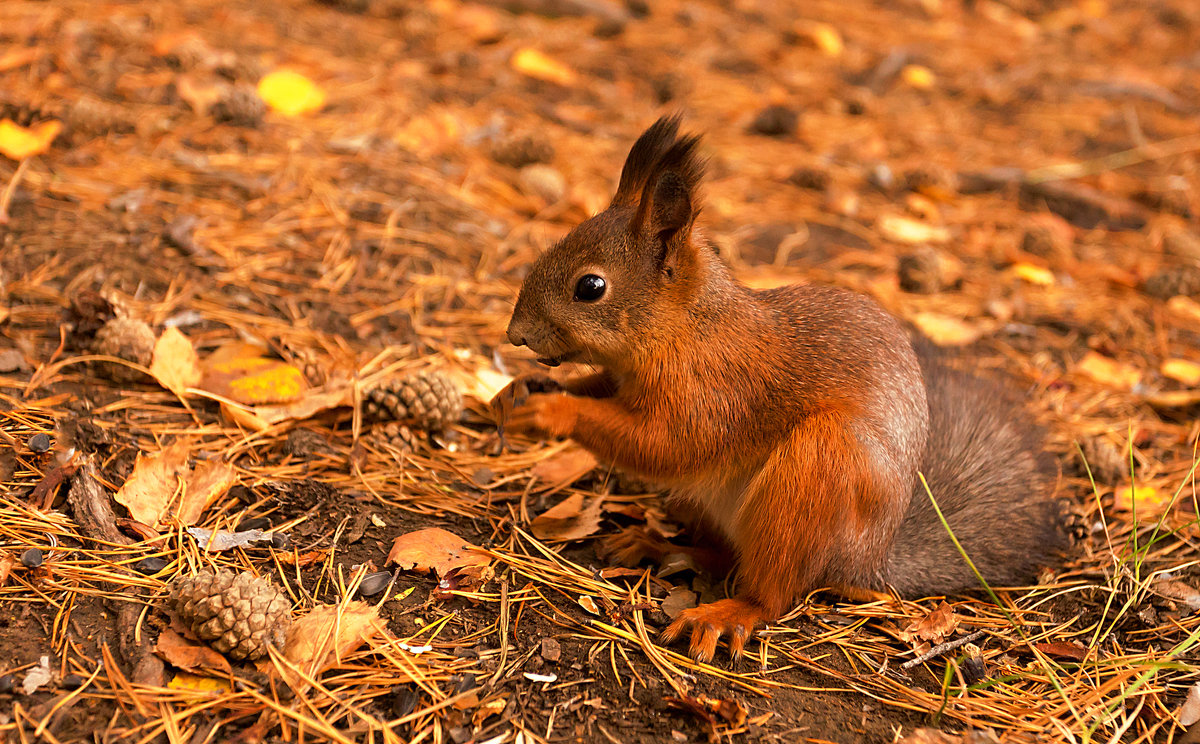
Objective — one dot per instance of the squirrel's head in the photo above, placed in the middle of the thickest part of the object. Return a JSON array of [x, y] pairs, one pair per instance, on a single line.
[[612, 280]]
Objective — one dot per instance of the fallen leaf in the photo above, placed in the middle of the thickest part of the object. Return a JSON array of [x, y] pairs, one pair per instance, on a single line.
[[37, 677], [1182, 370], [589, 604], [826, 38], [313, 402], [1145, 500], [220, 541], [179, 651], [1178, 591], [326, 635], [1062, 650], [435, 549], [306, 558], [945, 330], [1174, 398], [207, 482], [904, 230], [200, 683], [7, 561], [534, 64], [290, 93], [1189, 712], [570, 519], [175, 364], [18, 142], [934, 627], [1108, 371], [152, 485], [244, 417], [564, 468], [252, 380], [1033, 274], [918, 76], [678, 599]]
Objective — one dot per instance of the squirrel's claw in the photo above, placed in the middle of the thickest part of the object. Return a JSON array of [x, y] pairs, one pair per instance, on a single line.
[[735, 618]]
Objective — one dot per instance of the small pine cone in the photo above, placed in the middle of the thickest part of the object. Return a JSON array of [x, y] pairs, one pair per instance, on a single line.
[[239, 614], [395, 435], [928, 271], [240, 106], [518, 151], [309, 364], [427, 400], [128, 339], [1184, 280]]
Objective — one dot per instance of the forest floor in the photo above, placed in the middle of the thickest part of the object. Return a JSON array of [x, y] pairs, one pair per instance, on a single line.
[[1020, 179]]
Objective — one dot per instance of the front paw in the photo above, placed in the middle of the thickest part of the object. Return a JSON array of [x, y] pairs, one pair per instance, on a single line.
[[516, 394], [550, 414], [734, 618]]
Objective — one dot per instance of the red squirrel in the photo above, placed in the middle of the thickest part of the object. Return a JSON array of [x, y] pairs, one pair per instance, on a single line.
[[791, 422]]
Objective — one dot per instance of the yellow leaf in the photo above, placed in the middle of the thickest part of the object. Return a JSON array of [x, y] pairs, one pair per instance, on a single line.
[[175, 364], [1033, 274], [153, 482], [536, 65], [290, 93], [254, 380], [1108, 371], [918, 76], [1140, 498], [196, 683], [904, 230], [1181, 370], [827, 39], [18, 142], [944, 330]]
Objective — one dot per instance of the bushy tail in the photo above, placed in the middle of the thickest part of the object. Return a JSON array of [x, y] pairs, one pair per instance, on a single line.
[[993, 481]]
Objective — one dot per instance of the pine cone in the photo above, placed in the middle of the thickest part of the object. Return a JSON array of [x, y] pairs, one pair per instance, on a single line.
[[1184, 280], [427, 400], [395, 435], [240, 614], [128, 339], [240, 106]]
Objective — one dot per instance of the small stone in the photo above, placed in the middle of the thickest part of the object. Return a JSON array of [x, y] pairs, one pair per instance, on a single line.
[[7, 684], [776, 121], [39, 443], [542, 181], [72, 682], [551, 649], [32, 558]]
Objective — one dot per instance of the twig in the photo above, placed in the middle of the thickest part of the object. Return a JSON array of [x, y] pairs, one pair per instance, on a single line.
[[10, 189], [942, 648]]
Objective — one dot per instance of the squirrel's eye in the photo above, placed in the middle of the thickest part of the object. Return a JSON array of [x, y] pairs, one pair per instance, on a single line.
[[590, 288]]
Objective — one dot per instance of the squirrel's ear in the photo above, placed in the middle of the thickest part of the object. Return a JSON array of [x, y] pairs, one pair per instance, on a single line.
[[643, 158], [670, 199]]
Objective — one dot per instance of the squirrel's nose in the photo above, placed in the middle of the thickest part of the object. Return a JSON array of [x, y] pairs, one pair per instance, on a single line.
[[515, 336]]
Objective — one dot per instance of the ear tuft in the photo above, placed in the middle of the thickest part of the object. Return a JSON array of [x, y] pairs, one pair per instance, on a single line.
[[658, 149]]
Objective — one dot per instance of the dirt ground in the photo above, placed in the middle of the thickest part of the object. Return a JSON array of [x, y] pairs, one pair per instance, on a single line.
[[1020, 179]]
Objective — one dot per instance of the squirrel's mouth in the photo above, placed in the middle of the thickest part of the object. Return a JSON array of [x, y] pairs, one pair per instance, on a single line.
[[554, 361]]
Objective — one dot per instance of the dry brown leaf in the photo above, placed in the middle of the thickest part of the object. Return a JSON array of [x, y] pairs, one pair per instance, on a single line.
[[327, 634], [207, 482], [1182, 370], [310, 404], [244, 418], [944, 330], [934, 627], [1178, 591], [1062, 650], [571, 519], [589, 604], [187, 655], [175, 364], [564, 468], [152, 484], [678, 599], [1108, 371], [7, 561], [435, 549]]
